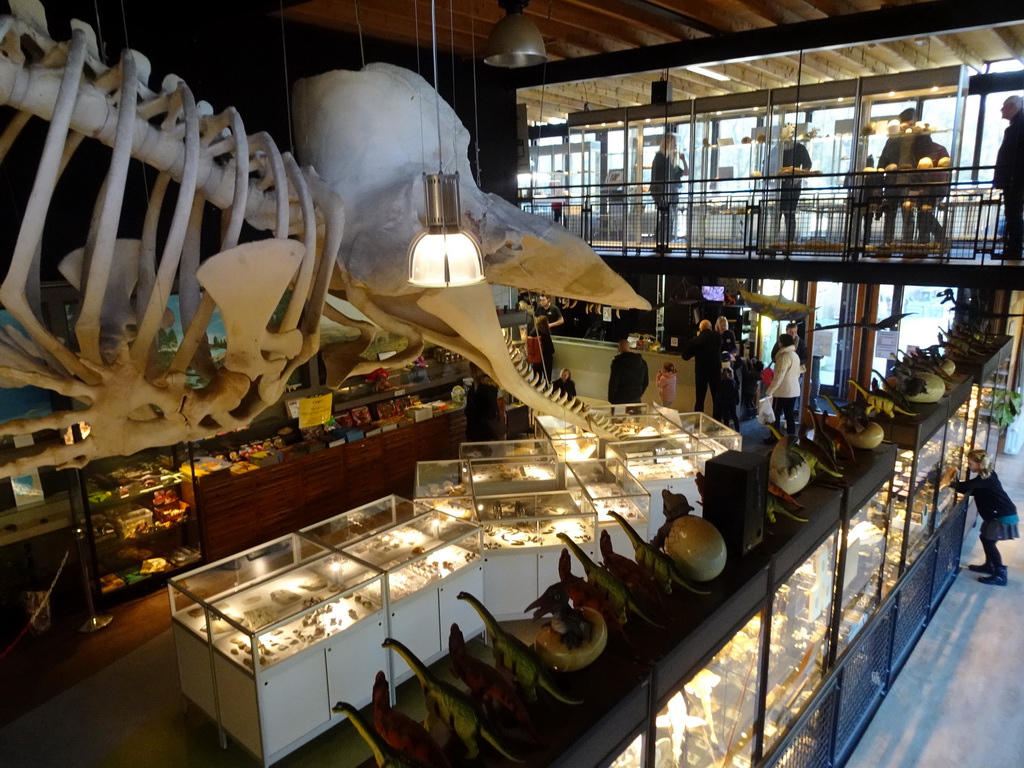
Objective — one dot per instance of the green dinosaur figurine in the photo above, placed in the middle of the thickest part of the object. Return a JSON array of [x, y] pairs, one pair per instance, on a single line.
[[517, 657], [384, 755], [451, 706], [609, 584], [662, 567]]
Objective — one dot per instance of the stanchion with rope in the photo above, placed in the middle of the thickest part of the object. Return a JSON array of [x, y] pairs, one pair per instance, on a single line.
[[43, 604]]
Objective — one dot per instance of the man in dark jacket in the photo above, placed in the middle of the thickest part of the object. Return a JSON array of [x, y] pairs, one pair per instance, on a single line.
[[705, 349], [629, 377], [1009, 176]]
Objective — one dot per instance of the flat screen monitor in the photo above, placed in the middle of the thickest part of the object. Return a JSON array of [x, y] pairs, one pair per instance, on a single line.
[[713, 292]]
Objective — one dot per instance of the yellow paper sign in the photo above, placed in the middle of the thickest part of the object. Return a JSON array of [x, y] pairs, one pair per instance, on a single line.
[[314, 411]]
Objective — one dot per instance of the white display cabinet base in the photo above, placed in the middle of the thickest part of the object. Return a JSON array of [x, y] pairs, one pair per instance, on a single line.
[[510, 582], [353, 660], [620, 541], [423, 620], [194, 670]]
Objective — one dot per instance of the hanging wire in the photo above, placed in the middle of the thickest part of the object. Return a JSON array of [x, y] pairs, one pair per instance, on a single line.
[[451, 24], [143, 168], [423, 147], [99, 29], [437, 93], [359, 28], [287, 96], [476, 108]]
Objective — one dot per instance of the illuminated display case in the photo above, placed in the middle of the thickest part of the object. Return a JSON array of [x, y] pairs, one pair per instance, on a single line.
[[444, 485], [607, 486], [664, 463], [801, 611], [140, 528], [429, 557], [569, 442], [501, 475], [713, 434], [639, 426], [520, 533], [269, 639], [709, 721], [499, 449], [954, 452], [862, 568]]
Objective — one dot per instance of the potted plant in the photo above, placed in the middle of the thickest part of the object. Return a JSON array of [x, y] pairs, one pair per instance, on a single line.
[[1006, 405]]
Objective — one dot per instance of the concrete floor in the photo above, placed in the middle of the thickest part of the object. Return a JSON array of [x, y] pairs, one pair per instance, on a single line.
[[956, 703]]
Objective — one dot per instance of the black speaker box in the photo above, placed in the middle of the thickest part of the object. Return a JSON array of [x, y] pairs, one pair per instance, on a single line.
[[736, 497], [661, 92]]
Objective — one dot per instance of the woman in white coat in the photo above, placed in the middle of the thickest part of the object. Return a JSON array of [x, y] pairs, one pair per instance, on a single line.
[[785, 386]]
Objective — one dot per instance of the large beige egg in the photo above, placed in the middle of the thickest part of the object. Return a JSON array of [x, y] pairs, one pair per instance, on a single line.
[[925, 163], [556, 656], [696, 546], [891, 167], [756, 174], [943, 162], [893, 127]]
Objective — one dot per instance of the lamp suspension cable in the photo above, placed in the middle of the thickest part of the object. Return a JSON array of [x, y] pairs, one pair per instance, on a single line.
[[359, 29], [287, 96], [476, 106]]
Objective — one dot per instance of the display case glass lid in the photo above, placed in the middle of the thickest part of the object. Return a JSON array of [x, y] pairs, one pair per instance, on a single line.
[[660, 447], [417, 538], [225, 577], [604, 479], [526, 506], [488, 474], [505, 448], [363, 521], [643, 426], [699, 424], [442, 479]]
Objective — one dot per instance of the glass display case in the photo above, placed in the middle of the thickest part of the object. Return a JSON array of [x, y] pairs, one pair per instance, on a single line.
[[713, 434], [520, 533], [801, 612], [568, 441], [419, 552], [954, 455], [268, 639], [305, 594], [429, 559], [913, 504], [361, 522], [637, 426], [502, 475], [632, 756], [669, 463], [499, 449], [607, 486], [709, 721], [444, 485], [139, 526], [862, 568]]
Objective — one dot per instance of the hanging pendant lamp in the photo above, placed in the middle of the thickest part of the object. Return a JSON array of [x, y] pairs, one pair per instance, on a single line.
[[444, 255], [515, 41]]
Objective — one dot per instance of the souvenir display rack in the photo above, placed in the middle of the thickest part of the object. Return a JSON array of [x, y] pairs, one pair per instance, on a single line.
[[140, 526]]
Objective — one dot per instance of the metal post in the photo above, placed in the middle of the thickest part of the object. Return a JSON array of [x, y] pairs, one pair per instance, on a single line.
[[94, 622]]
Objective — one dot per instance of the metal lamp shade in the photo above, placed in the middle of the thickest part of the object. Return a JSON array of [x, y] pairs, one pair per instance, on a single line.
[[515, 42], [444, 255]]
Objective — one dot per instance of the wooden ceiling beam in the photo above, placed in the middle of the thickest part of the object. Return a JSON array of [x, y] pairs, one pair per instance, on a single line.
[[1014, 43], [963, 52]]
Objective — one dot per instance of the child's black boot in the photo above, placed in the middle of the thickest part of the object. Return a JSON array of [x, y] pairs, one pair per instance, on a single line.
[[998, 577]]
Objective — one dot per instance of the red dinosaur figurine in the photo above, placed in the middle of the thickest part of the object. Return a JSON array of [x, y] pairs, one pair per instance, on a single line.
[[583, 593], [401, 731], [488, 687], [641, 583]]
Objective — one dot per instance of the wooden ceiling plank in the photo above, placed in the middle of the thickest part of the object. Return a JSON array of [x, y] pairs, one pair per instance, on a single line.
[[962, 51], [1014, 43]]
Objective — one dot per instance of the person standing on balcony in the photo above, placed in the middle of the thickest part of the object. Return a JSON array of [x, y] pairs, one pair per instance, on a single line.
[[1009, 176], [788, 158], [898, 157], [667, 171]]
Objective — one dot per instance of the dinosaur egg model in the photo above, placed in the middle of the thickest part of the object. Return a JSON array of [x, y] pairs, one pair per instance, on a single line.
[[868, 438], [943, 162], [697, 548], [557, 656], [925, 162], [934, 388]]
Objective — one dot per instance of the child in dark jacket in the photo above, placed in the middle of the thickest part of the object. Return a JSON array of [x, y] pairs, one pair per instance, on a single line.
[[726, 400]]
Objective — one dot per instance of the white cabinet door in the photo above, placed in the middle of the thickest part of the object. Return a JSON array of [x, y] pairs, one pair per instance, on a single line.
[[510, 582], [293, 700], [353, 661], [415, 623], [454, 611]]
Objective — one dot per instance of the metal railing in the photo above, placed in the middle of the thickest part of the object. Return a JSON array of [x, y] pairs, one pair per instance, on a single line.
[[910, 214]]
